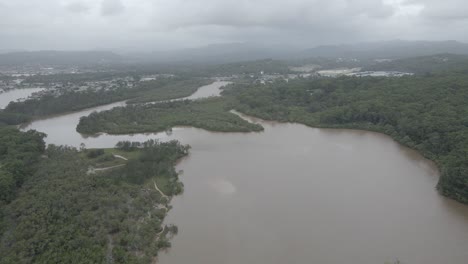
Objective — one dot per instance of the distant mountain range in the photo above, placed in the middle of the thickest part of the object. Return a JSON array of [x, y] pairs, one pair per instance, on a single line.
[[424, 64], [78, 58], [235, 52], [388, 50], [216, 53]]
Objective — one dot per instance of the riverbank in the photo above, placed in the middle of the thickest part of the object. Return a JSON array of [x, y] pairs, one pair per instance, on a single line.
[[349, 190], [212, 115], [415, 111], [441, 185], [329, 178]]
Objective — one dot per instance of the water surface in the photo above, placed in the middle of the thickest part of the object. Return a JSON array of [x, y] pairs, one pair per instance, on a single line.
[[14, 95], [294, 194], [61, 129]]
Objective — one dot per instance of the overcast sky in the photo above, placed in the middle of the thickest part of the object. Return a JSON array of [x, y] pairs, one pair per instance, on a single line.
[[170, 24]]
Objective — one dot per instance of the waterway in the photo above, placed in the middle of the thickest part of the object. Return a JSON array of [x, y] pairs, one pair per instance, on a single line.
[[295, 194]]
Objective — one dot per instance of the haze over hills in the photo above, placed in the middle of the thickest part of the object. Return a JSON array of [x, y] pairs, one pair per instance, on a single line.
[[236, 52], [218, 53], [52, 57], [388, 49], [443, 62]]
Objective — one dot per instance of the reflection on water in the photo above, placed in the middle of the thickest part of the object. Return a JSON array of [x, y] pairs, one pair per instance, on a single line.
[[295, 194], [222, 186]]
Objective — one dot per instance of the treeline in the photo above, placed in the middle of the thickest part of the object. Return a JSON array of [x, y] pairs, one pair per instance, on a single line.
[[210, 114], [193, 69], [441, 63], [78, 78], [66, 214], [267, 66], [68, 101], [427, 113], [172, 90], [8, 118]]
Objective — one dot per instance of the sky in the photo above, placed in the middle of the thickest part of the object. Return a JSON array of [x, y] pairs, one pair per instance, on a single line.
[[146, 25]]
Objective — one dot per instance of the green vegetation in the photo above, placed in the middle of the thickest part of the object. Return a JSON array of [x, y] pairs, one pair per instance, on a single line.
[[67, 213], [210, 114], [128, 154], [12, 118], [75, 77], [188, 69], [68, 101], [170, 91], [427, 113], [268, 66], [19, 154], [102, 159]]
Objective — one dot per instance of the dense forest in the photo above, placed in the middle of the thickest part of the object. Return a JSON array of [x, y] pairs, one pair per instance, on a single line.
[[210, 114], [68, 101], [427, 113], [198, 69], [67, 213], [19, 154]]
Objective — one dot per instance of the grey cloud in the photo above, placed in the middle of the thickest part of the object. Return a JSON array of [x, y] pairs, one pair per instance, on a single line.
[[262, 13], [77, 7], [111, 7], [165, 24], [442, 10]]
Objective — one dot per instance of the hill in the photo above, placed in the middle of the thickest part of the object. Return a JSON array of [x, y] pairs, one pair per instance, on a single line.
[[387, 49], [71, 58], [425, 64]]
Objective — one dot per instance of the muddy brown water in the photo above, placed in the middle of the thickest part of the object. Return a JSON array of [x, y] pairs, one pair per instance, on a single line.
[[295, 194]]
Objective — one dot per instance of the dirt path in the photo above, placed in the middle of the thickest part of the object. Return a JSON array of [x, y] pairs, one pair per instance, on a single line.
[[108, 168], [94, 170], [120, 157], [157, 189]]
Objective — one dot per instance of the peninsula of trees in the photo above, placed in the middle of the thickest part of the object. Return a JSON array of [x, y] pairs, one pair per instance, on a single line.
[[75, 207]]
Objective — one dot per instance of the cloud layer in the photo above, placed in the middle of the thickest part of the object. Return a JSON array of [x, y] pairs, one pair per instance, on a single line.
[[166, 24]]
